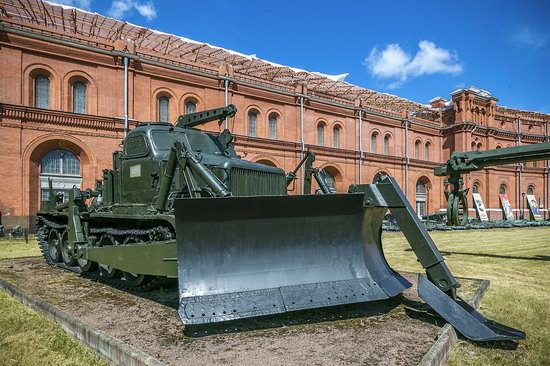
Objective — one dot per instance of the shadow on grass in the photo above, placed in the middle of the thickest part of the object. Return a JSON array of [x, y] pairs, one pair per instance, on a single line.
[[545, 258]]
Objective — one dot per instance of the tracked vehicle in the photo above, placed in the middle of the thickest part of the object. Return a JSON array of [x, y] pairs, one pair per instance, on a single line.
[[180, 203]]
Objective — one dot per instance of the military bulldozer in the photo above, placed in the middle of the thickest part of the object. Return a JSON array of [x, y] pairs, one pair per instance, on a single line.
[[179, 203]]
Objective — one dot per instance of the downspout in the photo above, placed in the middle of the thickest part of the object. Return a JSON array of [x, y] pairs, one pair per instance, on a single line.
[[226, 86], [547, 133], [520, 199], [125, 58], [360, 145], [302, 143], [406, 158]]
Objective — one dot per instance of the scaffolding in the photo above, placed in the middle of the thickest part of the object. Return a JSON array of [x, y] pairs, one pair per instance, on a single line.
[[96, 30]]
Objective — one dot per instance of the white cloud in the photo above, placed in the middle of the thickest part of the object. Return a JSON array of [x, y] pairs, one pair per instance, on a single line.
[[147, 10], [526, 37], [82, 4], [394, 63], [121, 8]]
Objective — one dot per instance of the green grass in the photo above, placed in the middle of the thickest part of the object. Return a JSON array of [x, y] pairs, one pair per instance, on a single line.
[[29, 338], [517, 262], [17, 248]]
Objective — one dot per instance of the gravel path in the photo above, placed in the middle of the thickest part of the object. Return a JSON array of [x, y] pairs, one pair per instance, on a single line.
[[380, 333]]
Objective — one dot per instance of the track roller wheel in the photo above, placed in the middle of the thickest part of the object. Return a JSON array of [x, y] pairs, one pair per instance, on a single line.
[[105, 270], [54, 246], [136, 280], [87, 265], [66, 255]]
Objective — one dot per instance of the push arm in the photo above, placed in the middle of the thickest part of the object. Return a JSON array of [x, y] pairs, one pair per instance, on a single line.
[[387, 193], [200, 118]]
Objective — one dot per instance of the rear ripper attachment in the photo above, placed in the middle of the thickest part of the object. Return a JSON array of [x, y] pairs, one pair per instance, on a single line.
[[244, 257]]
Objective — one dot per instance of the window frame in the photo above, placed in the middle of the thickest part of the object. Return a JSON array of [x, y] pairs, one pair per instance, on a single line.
[[252, 124], [41, 76], [272, 121], [73, 94], [159, 98]]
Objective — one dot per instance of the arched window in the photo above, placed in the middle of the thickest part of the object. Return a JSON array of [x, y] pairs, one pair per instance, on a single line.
[[321, 134], [502, 189], [474, 146], [336, 137], [475, 188], [499, 147], [272, 122], [417, 149], [42, 92], [379, 176], [427, 151], [163, 108], [387, 145], [79, 97], [252, 119], [374, 143], [421, 195], [190, 107], [479, 146], [329, 181], [63, 168], [530, 190]]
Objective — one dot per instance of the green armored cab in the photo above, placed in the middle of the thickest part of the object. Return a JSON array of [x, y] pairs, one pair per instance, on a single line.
[[179, 202], [133, 203]]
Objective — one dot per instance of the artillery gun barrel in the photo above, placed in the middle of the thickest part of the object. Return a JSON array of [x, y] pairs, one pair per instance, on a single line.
[[461, 163]]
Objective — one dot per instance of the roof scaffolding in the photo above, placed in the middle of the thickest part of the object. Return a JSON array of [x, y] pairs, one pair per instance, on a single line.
[[86, 27]]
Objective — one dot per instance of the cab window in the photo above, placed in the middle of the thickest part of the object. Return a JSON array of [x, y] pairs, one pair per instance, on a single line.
[[136, 146]]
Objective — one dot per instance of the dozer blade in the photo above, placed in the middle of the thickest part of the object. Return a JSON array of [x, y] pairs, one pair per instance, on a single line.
[[242, 257], [463, 317]]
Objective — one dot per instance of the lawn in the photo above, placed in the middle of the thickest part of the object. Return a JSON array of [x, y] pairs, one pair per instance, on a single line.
[[17, 248], [517, 262], [29, 338]]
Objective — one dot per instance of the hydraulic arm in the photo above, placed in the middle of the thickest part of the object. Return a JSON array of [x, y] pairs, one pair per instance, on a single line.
[[309, 171], [200, 118], [465, 162]]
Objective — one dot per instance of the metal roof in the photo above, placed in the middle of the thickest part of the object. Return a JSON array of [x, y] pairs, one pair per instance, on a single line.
[[87, 27]]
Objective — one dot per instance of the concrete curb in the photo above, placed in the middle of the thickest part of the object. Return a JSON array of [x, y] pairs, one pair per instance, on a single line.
[[447, 337], [110, 348]]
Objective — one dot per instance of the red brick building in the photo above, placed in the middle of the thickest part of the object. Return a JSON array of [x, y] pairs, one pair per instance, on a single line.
[[62, 112]]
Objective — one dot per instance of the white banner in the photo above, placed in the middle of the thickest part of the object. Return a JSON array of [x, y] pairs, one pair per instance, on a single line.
[[534, 207], [506, 207], [480, 207]]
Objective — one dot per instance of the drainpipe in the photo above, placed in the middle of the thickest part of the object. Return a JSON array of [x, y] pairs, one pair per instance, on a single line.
[[302, 143], [520, 200], [125, 96], [226, 85], [547, 133], [360, 145], [406, 158]]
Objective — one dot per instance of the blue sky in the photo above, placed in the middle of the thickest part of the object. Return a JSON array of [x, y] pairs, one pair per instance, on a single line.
[[413, 49]]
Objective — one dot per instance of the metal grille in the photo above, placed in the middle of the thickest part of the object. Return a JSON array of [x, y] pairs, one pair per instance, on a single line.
[[245, 182]]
